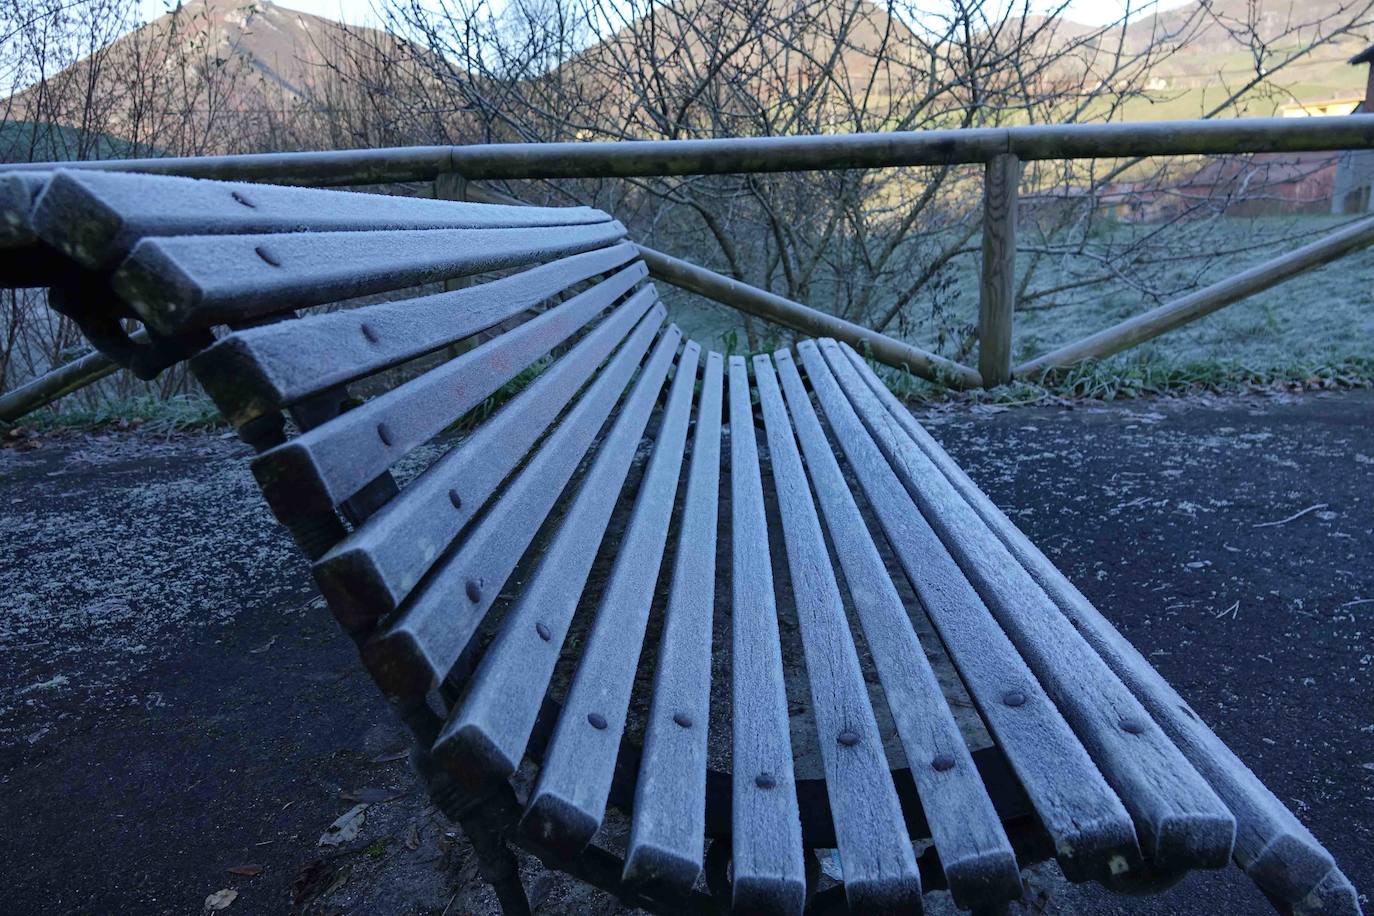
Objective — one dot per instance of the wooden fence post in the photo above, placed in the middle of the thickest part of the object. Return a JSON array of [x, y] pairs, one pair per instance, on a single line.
[[997, 290], [451, 186]]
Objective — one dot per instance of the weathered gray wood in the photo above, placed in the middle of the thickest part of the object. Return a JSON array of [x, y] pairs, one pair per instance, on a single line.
[[755, 301], [568, 803], [259, 369], [668, 823], [452, 186], [975, 853], [18, 191], [50, 386], [1179, 820], [25, 261], [1090, 829], [427, 636], [769, 874], [486, 734], [997, 283], [374, 568], [322, 408], [322, 467], [1272, 845], [766, 154], [880, 873], [1140, 328], [197, 281], [96, 218], [1334, 895], [907, 148], [319, 168]]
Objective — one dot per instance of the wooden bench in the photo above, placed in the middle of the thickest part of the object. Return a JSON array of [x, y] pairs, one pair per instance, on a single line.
[[748, 603]]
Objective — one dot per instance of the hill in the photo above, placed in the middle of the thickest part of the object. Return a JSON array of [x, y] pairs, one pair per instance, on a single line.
[[1213, 60], [201, 78], [233, 75], [1182, 62]]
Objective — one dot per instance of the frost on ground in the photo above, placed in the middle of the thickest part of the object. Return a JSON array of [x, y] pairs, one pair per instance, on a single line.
[[101, 581], [179, 719]]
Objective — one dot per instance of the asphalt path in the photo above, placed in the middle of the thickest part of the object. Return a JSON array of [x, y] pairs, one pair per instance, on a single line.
[[180, 718]]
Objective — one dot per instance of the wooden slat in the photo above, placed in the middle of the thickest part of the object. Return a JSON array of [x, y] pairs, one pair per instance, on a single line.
[[197, 281], [669, 818], [374, 568], [1334, 895], [263, 368], [97, 217], [975, 853], [487, 732], [25, 261], [326, 465], [769, 875], [1272, 845], [431, 631], [18, 191], [1179, 820], [322, 408], [880, 873], [568, 803], [1090, 829]]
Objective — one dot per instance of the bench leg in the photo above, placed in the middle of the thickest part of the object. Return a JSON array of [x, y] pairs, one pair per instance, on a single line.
[[497, 865], [495, 862]]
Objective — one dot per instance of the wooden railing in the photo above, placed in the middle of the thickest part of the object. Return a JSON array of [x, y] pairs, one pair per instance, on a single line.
[[1001, 151]]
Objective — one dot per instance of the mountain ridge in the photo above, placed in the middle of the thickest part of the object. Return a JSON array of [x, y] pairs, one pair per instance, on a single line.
[[258, 58]]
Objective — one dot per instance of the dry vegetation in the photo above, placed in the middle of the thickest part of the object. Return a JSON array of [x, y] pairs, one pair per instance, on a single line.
[[889, 248]]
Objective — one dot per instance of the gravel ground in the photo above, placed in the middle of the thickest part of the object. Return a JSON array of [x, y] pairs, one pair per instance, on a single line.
[[179, 718]]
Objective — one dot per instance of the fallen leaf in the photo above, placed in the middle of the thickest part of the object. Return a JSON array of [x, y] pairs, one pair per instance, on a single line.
[[220, 900], [392, 757], [247, 871], [310, 881], [346, 828], [369, 795], [340, 879], [413, 836]]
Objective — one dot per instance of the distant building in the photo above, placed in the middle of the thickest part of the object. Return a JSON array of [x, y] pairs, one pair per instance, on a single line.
[[1260, 185], [1355, 168], [1341, 106]]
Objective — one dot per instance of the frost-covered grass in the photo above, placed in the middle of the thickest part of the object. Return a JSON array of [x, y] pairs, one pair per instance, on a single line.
[[1115, 381], [181, 412], [1317, 326], [1323, 317]]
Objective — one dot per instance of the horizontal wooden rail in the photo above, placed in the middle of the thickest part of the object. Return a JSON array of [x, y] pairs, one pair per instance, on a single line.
[[808, 153], [760, 302], [766, 154], [1209, 299], [42, 391], [771, 307]]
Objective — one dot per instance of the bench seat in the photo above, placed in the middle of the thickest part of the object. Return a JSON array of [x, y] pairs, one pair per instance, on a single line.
[[749, 602]]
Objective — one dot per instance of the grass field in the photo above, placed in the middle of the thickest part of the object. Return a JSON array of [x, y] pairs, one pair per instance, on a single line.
[[1319, 324], [1321, 316]]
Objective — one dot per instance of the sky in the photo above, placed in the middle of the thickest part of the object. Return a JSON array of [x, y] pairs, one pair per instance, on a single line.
[[361, 12]]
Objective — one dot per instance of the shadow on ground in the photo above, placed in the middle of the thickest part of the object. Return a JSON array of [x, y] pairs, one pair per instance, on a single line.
[[181, 719]]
